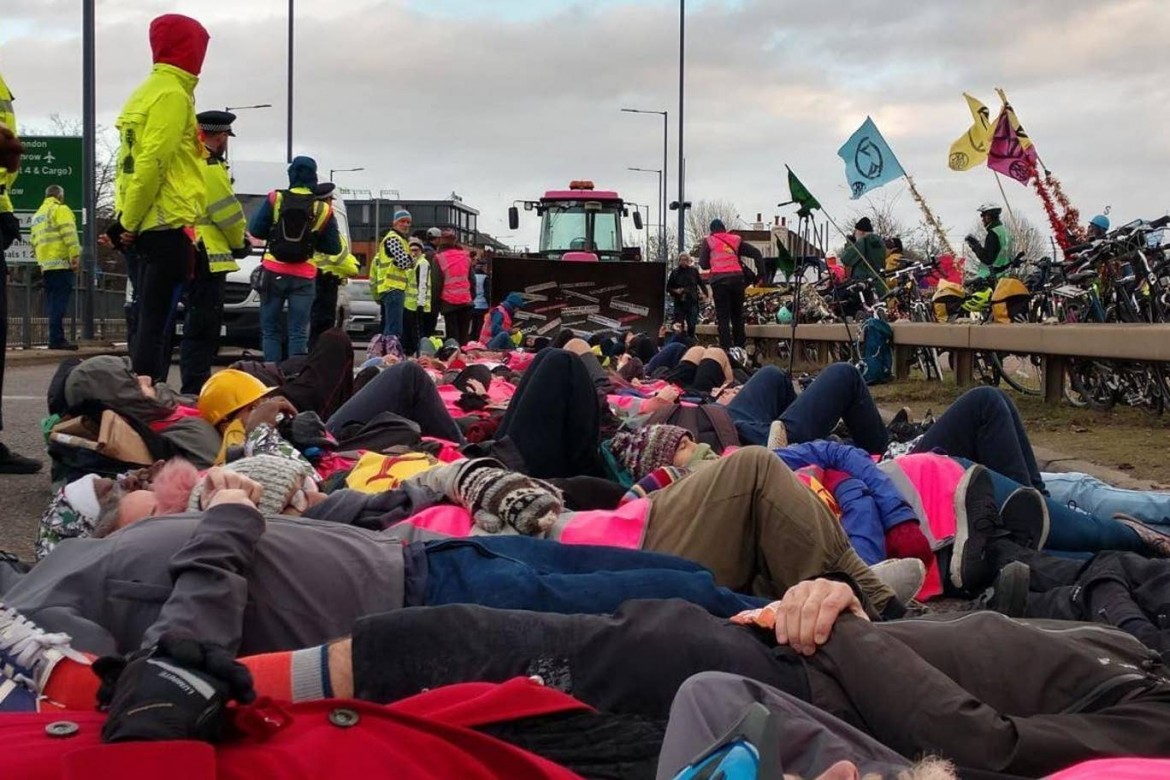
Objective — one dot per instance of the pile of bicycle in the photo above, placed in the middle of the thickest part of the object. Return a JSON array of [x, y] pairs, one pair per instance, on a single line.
[[1123, 277]]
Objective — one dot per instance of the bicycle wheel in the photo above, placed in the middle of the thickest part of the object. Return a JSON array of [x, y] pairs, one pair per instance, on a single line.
[[1090, 383], [1024, 373], [985, 369]]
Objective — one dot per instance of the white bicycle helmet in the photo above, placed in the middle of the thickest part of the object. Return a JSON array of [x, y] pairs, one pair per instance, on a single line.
[[990, 206]]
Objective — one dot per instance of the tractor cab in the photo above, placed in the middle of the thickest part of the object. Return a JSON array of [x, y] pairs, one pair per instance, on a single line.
[[580, 224]]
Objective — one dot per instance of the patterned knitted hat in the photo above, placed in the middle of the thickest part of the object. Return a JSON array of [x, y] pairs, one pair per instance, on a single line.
[[282, 478], [648, 448]]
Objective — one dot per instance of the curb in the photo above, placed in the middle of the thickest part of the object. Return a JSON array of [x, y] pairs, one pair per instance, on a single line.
[[42, 356], [1050, 460]]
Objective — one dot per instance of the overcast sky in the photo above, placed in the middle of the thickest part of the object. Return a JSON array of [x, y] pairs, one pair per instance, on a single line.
[[502, 99]]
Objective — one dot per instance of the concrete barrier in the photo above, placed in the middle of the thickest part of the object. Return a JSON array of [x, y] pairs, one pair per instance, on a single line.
[[1055, 344]]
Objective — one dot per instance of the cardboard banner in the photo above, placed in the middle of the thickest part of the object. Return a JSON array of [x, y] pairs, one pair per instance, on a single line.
[[588, 297]]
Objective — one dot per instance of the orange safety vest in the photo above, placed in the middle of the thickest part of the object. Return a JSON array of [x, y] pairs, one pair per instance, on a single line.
[[724, 253], [456, 267], [485, 333]]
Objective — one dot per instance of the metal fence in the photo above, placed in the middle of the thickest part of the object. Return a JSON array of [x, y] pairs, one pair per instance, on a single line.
[[27, 325]]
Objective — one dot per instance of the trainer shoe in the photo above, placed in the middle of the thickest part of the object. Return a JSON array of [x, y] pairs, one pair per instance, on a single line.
[[28, 653], [14, 697], [1025, 516], [976, 524], [777, 436], [1009, 594], [904, 576]]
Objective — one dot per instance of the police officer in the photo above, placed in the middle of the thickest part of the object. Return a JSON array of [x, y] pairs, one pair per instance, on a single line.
[[221, 241], [54, 239], [332, 272], [995, 253]]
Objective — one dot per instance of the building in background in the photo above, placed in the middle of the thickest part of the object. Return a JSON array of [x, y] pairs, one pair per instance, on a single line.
[[370, 218]]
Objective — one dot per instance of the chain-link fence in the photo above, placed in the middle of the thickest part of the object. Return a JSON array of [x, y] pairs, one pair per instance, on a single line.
[[28, 326]]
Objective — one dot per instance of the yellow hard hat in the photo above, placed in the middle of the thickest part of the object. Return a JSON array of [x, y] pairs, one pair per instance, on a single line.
[[228, 392]]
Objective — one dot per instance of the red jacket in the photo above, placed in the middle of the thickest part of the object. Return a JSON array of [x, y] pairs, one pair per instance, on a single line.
[[425, 736]]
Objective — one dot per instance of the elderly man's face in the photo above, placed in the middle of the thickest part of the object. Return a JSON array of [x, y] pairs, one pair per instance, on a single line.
[[403, 225]]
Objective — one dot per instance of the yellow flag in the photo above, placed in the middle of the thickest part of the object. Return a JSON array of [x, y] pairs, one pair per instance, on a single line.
[[971, 148]]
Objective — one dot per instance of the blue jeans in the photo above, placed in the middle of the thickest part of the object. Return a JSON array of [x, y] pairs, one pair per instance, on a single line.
[[392, 304], [1072, 530], [667, 357], [58, 291], [1092, 495], [501, 341], [838, 393], [519, 572], [983, 425], [299, 294]]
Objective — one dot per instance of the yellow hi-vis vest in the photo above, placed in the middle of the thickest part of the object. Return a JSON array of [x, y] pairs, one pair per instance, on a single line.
[[54, 236], [343, 265], [8, 119], [384, 275], [220, 228]]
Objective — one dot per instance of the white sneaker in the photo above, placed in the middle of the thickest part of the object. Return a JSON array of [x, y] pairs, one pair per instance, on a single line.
[[904, 576], [777, 436], [28, 653]]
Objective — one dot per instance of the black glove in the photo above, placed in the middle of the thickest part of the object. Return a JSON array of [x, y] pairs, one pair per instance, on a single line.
[[9, 230], [242, 252], [972, 241], [178, 689], [114, 233]]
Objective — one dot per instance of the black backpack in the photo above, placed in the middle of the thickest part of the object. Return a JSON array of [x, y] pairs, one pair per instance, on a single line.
[[708, 423], [292, 238]]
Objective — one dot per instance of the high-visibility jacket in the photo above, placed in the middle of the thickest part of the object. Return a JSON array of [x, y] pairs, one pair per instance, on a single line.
[[455, 263], [220, 227], [8, 119], [54, 236], [724, 253], [418, 286], [385, 274], [159, 179], [485, 333], [343, 265], [1004, 258], [322, 213]]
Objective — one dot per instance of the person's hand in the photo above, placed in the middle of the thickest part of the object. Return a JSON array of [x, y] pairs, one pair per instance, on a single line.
[[104, 240], [807, 612], [178, 689], [669, 394], [128, 238], [75, 263], [267, 411], [970, 239], [232, 496], [237, 488]]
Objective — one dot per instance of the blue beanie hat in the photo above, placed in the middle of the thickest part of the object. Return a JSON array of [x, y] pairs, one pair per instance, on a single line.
[[401, 214], [514, 300], [717, 226], [1100, 221], [302, 172]]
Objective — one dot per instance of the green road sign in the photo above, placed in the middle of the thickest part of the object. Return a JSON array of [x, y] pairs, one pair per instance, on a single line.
[[48, 159]]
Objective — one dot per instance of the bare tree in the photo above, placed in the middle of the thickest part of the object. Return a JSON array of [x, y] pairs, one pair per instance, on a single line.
[[669, 243], [881, 212], [922, 242], [701, 214], [1025, 236]]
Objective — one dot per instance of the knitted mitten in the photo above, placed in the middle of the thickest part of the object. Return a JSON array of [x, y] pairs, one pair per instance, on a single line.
[[498, 497]]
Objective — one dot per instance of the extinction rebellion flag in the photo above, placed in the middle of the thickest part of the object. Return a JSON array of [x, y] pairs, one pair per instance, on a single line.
[[869, 161]]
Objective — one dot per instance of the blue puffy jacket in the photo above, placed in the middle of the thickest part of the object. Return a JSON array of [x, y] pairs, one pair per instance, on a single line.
[[870, 502]]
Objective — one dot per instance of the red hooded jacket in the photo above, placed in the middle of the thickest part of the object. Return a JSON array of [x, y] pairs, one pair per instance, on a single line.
[[180, 41]]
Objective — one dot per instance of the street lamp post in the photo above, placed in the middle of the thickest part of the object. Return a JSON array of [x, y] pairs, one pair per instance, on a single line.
[[245, 108], [661, 218], [342, 170], [682, 27], [662, 188], [289, 119]]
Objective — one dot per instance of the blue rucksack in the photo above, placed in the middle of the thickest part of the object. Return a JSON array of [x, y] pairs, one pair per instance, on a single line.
[[877, 343]]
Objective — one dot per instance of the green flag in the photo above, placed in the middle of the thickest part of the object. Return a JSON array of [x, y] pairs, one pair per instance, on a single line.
[[799, 194]]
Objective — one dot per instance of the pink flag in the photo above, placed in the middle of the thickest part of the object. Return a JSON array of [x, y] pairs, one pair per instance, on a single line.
[[1011, 152]]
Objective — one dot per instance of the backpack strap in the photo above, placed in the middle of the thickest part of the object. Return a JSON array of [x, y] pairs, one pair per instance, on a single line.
[[723, 424]]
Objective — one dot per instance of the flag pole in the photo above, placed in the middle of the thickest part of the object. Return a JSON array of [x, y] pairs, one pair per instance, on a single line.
[[797, 280], [931, 219], [1007, 205]]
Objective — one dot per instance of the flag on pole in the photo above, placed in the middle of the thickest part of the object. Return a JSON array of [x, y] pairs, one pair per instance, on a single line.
[[971, 148], [1011, 151], [800, 195], [869, 161]]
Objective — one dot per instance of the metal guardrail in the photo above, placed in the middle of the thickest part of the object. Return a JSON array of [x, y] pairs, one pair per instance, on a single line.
[[27, 325], [1054, 344]]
